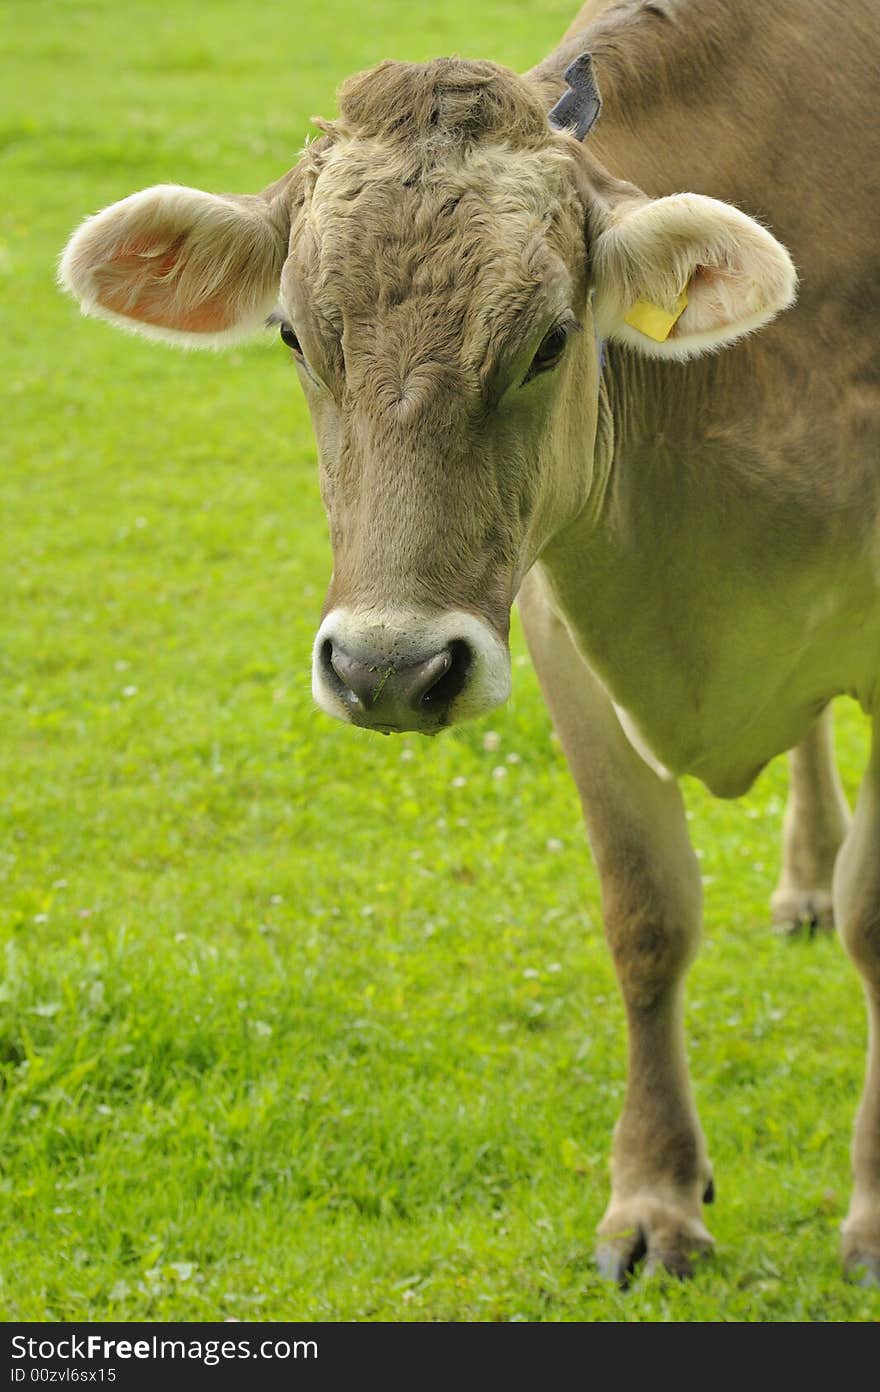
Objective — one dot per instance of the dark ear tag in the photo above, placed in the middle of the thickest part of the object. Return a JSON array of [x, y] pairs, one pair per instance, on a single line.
[[578, 110]]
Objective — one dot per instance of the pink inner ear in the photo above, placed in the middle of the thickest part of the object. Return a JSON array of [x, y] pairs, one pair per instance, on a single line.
[[134, 285], [706, 275], [711, 301]]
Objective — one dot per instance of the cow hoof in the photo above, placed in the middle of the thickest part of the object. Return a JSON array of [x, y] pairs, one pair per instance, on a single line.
[[864, 1271], [804, 911], [860, 1250], [665, 1238]]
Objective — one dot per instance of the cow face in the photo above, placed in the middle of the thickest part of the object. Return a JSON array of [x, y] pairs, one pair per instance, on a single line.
[[435, 299], [443, 266]]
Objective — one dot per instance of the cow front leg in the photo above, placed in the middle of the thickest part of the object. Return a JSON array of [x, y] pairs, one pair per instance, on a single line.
[[857, 913], [651, 893], [816, 822]]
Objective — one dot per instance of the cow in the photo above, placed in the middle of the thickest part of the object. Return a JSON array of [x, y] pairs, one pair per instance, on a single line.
[[621, 370]]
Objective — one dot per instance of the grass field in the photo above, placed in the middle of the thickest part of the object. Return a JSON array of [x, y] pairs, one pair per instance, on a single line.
[[298, 1022]]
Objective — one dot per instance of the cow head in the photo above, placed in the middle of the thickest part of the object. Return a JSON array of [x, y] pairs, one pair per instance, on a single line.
[[443, 265]]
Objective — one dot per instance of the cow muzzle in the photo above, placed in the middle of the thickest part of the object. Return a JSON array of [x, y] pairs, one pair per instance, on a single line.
[[394, 672]]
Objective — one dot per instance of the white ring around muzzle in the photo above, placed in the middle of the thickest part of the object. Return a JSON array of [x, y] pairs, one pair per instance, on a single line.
[[401, 638]]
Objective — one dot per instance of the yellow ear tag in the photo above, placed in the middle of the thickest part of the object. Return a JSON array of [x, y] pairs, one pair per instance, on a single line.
[[653, 321]]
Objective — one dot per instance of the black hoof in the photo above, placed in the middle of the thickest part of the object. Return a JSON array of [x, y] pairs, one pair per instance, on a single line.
[[616, 1261], [864, 1271]]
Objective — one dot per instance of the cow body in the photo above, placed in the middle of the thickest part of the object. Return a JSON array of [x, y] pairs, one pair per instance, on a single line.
[[692, 533], [738, 530]]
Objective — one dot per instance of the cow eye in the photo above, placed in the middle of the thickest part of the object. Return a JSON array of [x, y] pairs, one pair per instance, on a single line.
[[290, 338], [550, 351]]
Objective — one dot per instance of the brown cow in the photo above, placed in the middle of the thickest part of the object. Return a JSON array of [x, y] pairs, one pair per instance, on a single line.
[[507, 336]]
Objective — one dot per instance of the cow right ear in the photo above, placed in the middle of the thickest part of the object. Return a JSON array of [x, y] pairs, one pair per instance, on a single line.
[[684, 275], [174, 263]]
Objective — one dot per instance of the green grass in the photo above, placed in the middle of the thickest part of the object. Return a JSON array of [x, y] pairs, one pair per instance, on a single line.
[[299, 1022]]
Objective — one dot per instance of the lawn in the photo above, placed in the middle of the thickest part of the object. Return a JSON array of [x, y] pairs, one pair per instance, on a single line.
[[298, 1022]]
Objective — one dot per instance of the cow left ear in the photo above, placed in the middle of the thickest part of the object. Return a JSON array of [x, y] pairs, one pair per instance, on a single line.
[[680, 276]]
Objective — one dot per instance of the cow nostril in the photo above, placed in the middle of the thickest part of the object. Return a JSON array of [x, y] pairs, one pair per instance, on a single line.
[[358, 683], [448, 678], [353, 682], [330, 673]]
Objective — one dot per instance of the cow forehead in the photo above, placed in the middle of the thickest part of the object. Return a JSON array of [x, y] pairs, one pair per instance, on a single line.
[[370, 197], [460, 247]]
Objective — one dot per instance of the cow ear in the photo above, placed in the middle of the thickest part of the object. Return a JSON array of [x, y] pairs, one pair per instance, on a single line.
[[680, 276], [181, 265]]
